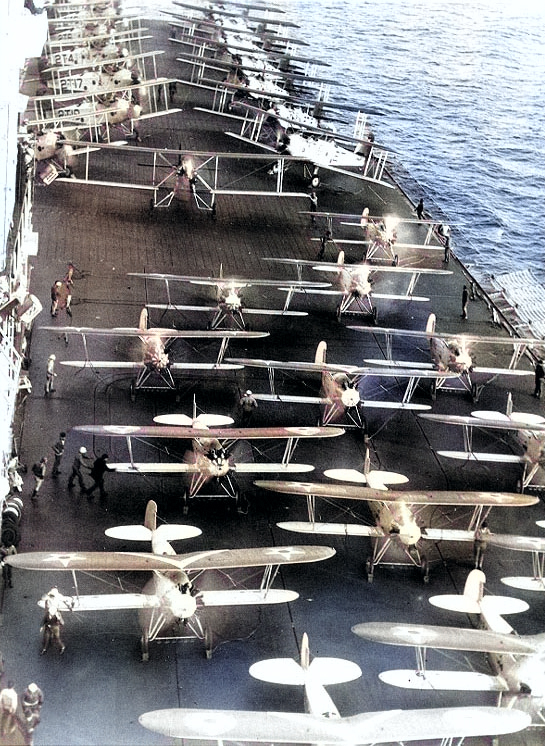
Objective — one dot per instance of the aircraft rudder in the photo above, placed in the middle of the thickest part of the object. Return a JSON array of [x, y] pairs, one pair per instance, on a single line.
[[321, 352], [150, 520]]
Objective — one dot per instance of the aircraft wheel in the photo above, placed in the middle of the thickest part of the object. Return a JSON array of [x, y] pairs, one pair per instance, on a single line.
[[374, 314], [10, 534], [132, 392], [144, 643], [433, 390], [177, 398], [369, 569], [242, 504], [519, 488], [338, 313], [425, 570], [185, 501], [396, 261], [474, 393]]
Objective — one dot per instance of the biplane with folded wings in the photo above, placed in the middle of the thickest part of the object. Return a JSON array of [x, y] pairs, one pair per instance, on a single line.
[[528, 428], [516, 660], [170, 604], [154, 371], [398, 515], [322, 721], [231, 308], [211, 458], [453, 354], [340, 396]]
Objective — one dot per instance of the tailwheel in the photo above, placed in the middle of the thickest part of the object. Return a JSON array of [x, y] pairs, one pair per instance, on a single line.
[[369, 569], [433, 390], [208, 643], [144, 644], [425, 569], [474, 393]]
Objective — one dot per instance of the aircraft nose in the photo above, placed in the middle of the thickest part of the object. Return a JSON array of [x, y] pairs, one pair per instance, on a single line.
[[350, 397]]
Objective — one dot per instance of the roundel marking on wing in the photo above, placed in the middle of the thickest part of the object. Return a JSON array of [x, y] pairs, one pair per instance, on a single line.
[[121, 429], [416, 634], [286, 552], [303, 430], [212, 724]]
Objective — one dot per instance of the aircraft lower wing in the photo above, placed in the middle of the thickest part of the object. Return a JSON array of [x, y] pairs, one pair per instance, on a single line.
[[372, 403], [246, 597], [445, 638], [331, 529], [156, 332], [366, 728], [211, 309], [452, 681], [352, 492], [183, 468], [491, 458], [213, 559], [120, 365], [108, 602]]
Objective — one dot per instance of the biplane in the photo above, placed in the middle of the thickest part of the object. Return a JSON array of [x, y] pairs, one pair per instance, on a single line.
[[453, 353], [322, 721], [211, 458], [154, 371]]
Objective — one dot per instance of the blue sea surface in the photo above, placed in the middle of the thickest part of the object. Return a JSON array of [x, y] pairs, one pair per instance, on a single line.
[[460, 87]]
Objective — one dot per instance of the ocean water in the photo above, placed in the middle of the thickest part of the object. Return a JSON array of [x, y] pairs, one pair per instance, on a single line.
[[460, 87]]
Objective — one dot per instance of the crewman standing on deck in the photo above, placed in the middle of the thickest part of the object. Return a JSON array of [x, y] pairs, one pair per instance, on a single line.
[[539, 375], [465, 300], [420, 209]]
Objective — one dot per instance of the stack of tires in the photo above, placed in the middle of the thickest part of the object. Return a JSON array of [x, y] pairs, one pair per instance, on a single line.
[[11, 518]]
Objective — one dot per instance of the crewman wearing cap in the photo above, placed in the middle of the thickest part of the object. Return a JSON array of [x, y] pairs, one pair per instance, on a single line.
[[248, 404], [33, 700], [79, 461]]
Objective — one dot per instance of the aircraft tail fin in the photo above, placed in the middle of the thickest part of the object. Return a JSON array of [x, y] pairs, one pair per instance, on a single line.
[[150, 520], [430, 326], [143, 322], [321, 352]]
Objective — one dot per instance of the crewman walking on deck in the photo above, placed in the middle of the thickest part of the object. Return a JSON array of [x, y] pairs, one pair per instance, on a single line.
[[539, 375], [480, 543], [79, 461], [99, 469], [50, 375], [8, 710], [324, 238], [33, 699], [465, 301], [58, 450], [248, 404], [39, 470], [313, 206]]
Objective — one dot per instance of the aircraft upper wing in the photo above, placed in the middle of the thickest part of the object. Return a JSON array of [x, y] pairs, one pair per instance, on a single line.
[[470, 338], [213, 559], [235, 433], [171, 333], [126, 365], [366, 728], [239, 282], [352, 370], [445, 638], [352, 492], [495, 424]]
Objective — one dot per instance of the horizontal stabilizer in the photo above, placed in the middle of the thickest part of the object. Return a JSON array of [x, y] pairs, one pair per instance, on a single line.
[[525, 584], [453, 681], [364, 729], [182, 420], [323, 671], [247, 597], [491, 458], [456, 602], [331, 529], [263, 468], [167, 532], [503, 371]]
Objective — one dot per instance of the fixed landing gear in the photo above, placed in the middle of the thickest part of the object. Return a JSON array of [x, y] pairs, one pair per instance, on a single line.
[[475, 393], [396, 261], [185, 502], [425, 569], [132, 392], [369, 567], [208, 639], [433, 390], [144, 644]]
